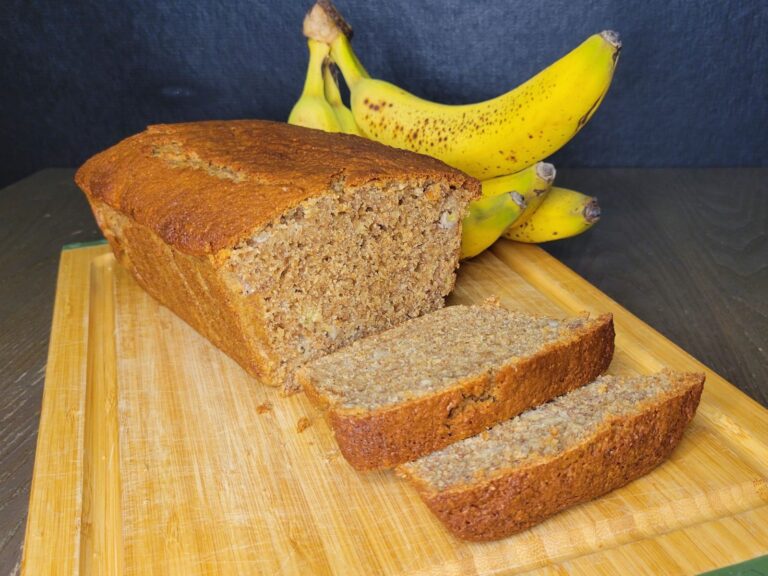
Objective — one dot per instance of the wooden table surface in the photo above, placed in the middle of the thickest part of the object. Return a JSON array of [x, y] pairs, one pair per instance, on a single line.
[[685, 250]]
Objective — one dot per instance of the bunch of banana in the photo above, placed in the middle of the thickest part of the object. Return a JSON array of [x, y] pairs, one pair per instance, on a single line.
[[500, 141]]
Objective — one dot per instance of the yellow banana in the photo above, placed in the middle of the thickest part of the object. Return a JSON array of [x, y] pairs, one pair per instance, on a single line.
[[532, 183], [333, 96], [486, 220], [312, 110], [491, 138], [545, 177], [562, 214]]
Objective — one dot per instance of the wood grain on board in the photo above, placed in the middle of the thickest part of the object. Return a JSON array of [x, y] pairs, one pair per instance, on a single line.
[[211, 474]]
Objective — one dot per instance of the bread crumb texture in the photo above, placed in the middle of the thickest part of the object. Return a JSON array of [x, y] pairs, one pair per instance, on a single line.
[[348, 264]]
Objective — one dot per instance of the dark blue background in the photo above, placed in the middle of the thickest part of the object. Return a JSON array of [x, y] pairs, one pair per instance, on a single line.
[[691, 88]]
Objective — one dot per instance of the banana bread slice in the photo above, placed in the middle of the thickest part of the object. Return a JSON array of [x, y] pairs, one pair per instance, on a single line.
[[278, 243], [448, 375], [570, 450]]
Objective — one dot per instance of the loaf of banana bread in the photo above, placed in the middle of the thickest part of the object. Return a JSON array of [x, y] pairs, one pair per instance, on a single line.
[[279, 243]]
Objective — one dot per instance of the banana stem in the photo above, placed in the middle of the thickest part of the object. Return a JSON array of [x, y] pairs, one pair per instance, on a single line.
[[324, 22], [345, 58], [313, 85]]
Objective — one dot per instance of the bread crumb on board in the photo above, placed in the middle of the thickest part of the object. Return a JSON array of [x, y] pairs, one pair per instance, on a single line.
[[264, 408], [302, 424]]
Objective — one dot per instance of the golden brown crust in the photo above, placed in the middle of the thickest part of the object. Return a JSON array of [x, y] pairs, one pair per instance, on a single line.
[[623, 450], [387, 437], [193, 289], [203, 187]]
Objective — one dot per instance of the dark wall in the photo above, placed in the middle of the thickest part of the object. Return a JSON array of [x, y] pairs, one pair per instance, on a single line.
[[78, 75]]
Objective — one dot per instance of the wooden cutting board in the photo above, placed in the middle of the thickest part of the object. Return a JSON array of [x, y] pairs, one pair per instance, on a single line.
[[158, 455]]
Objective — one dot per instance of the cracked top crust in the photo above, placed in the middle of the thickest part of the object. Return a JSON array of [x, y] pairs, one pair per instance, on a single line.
[[205, 186]]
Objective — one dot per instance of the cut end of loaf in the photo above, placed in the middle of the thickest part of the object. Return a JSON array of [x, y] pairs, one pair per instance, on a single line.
[[350, 263]]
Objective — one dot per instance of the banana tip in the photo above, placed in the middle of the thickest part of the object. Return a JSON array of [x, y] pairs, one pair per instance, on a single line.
[[546, 171], [518, 199], [592, 211], [612, 38]]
